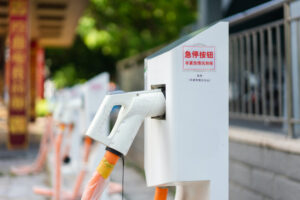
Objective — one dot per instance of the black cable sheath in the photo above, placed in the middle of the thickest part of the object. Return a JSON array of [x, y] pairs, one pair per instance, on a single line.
[[114, 151], [123, 163]]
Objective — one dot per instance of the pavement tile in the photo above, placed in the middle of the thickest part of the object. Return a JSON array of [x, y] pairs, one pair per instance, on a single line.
[[135, 187], [19, 187]]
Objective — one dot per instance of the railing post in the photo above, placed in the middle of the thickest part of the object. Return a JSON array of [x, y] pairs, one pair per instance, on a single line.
[[288, 74]]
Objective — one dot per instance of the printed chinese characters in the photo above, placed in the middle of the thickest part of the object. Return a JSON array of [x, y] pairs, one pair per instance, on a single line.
[[199, 58]]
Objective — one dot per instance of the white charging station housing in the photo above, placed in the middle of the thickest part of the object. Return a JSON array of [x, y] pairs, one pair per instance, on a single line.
[[72, 111], [95, 91], [191, 142]]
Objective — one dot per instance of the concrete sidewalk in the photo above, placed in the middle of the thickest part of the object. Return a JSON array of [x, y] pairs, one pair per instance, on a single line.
[[19, 187], [135, 187]]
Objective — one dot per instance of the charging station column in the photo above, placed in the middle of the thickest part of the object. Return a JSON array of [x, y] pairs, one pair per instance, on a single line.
[[190, 143]]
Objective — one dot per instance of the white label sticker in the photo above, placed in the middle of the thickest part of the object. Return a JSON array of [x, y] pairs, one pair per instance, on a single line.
[[201, 58]]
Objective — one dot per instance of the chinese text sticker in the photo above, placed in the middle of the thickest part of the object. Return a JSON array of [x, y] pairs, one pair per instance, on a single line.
[[199, 58]]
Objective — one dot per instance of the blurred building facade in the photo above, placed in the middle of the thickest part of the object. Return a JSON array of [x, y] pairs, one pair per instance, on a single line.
[[26, 28], [264, 95]]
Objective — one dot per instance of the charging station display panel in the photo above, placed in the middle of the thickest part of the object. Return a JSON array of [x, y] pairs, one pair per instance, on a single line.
[[191, 143]]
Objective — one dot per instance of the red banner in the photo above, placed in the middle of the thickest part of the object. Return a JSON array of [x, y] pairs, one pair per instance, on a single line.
[[40, 72], [18, 75]]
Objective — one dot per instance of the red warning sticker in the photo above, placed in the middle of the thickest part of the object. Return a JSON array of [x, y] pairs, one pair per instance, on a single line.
[[202, 58]]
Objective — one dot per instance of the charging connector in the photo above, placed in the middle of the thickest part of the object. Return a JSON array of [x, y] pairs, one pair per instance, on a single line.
[[162, 87], [135, 107]]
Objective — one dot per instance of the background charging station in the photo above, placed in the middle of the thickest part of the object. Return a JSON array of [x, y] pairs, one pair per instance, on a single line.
[[95, 91], [190, 143]]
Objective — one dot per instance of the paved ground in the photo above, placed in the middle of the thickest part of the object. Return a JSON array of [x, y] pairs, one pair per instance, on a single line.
[[134, 183], [14, 187], [18, 187]]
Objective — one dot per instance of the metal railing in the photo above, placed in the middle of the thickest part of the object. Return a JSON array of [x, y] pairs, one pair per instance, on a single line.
[[257, 72], [260, 70]]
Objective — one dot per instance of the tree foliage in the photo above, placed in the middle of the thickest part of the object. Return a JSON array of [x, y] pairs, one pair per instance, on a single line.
[[125, 28], [76, 64], [111, 30]]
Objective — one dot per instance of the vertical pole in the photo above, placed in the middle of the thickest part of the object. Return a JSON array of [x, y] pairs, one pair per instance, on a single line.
[[237, 75], [248, 71], [6, 68], [279, 70], [2, 50], [18, 73], [57, 181], [40, 72], [271, 68], [262, 72], [243, 73], [33, 76], [288, 74], [255, 65]]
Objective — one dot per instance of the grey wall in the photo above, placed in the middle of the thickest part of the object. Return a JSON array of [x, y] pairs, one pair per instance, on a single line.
[[130, 71], [258, 173], [131, 78]]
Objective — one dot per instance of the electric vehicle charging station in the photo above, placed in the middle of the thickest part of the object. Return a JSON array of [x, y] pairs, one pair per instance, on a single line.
[[71, 118], [61, 97], [59, 118], [185, 107], [191, 143], [80, 110], [71, 111], [94, 93]]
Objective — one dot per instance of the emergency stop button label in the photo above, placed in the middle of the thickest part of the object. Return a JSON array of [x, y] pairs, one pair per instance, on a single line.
[[202, 58]]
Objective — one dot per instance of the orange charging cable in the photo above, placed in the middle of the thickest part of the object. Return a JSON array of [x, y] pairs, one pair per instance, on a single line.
[[58, 142], [161, 193], [66, 154], [57, 183], [39, 163], [97, 183], [79, 180]]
